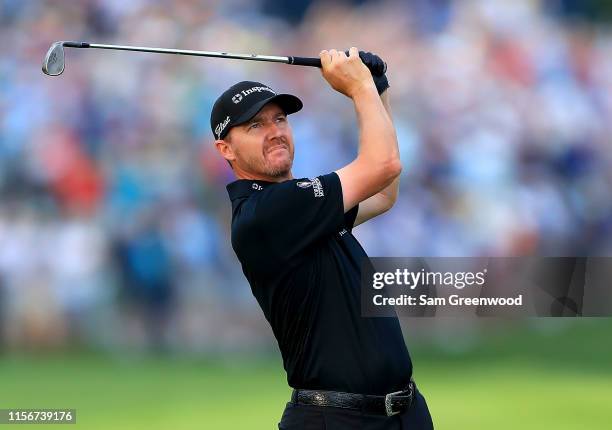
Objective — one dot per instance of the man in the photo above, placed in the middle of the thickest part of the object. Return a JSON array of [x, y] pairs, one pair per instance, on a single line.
[[293, 238]]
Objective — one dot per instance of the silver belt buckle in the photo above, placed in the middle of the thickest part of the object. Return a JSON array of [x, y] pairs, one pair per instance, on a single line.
[[388, 405]]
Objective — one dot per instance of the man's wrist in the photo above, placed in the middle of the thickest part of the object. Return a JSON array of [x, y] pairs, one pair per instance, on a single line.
[[364, 91]]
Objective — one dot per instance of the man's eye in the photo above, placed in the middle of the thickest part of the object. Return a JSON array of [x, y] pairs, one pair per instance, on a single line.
[[254, 125], [281, 119]]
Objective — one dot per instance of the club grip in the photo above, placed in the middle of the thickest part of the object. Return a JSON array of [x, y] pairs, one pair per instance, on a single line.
[[305, 61], [76, 44]]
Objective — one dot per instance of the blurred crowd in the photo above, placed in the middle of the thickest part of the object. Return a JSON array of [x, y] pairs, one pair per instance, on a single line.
[[114, 218]]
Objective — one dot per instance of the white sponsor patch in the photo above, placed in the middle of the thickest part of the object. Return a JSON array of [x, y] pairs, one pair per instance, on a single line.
[[237, 98], [221, 126], [304, 184]]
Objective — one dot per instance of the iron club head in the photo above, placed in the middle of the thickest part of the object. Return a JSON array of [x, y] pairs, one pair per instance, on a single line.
[[53, 65]]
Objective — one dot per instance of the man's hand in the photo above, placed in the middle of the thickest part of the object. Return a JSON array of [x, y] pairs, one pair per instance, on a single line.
[[378, 68], [347, 75]]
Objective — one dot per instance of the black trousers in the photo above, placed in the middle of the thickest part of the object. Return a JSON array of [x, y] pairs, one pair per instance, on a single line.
[[306, 417]]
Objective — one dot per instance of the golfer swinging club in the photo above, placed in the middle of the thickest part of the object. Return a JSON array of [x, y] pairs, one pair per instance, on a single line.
[[293, 239]]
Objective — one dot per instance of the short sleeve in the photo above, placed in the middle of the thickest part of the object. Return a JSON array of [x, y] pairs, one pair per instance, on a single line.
[[350, 216], [293, 215]]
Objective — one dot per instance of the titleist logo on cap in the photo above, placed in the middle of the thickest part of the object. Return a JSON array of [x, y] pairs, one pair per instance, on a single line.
[[221, 126]]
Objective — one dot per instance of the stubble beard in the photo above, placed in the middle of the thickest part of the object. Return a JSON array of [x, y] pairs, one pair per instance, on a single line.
[[278, 170]]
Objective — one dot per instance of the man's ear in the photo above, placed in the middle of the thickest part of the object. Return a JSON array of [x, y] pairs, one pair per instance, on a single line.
[[225, 149]]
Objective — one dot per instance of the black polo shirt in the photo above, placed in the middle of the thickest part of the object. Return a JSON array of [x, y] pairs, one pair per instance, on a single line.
[[297, 251]]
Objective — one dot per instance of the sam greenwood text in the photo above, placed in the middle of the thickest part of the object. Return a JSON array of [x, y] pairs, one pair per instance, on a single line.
[[452, 300]]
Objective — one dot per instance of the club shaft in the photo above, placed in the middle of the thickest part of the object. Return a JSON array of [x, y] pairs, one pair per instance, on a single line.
[[253, 57], [297, 61]]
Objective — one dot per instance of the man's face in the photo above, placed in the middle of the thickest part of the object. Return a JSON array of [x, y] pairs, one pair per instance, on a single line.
[[262, 148]]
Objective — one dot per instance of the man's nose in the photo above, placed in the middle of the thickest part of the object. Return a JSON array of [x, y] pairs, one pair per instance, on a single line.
[[273, 129]]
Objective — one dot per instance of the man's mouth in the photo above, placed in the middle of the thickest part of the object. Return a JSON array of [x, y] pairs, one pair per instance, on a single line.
[[276, 148]]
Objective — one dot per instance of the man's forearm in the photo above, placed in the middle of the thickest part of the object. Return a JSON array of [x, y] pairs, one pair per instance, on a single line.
[[391, 191], [377, 137]]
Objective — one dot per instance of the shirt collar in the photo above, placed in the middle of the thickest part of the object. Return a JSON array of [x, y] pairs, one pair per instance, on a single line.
[[245, 187]]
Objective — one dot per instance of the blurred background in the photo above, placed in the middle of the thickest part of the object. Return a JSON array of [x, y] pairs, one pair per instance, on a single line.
[[120, 294]]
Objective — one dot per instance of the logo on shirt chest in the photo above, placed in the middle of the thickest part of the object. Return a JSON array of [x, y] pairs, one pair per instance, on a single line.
[[342, 232]]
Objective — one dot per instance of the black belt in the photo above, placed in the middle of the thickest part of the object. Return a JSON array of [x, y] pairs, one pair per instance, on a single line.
[[390, 404]]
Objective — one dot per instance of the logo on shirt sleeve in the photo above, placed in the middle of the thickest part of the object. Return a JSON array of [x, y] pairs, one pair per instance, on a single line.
[[318, 188], [316, 185], [304, 184]]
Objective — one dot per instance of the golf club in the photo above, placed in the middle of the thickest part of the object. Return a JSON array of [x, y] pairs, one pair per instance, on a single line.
[[54, 62]]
